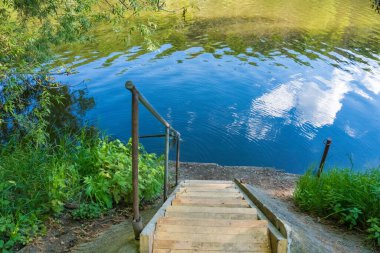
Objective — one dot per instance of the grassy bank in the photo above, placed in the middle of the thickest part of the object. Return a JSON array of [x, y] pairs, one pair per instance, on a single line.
[[90, 173], [349, 197]]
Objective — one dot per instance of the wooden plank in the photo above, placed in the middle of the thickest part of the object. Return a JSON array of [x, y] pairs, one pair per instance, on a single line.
[[199, 209], [209, 194], [277, 230], [192, 251], [215, 202], [215, 186], [215, 198], [187, 196], [212, 222], [259, 237], [212, 246], [205, 189], [230, 216], [211, 230], [222, 185], [208, 181]]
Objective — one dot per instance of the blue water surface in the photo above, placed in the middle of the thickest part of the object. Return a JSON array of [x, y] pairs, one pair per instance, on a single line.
[[272, 102]]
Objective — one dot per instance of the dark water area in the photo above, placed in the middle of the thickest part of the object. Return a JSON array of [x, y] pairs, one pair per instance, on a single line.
[[245, 82]]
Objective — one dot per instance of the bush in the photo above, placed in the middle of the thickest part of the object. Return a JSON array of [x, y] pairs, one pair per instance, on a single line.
[[36, 182], [352, 198]]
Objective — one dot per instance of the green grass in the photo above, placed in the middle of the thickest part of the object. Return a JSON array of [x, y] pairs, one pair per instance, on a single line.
[[95, 173], [349, 197]]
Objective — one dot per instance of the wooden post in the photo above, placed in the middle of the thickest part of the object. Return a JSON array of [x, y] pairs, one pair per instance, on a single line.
[[325, 152]]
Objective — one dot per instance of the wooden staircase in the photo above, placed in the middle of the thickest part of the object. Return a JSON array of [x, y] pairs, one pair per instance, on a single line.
[[210, 216]]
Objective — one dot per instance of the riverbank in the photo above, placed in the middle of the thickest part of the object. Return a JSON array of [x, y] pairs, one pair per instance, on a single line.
[[273, 187]]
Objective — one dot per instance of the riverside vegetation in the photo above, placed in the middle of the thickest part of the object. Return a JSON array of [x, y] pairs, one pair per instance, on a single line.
[[349, 197], [48, 158]]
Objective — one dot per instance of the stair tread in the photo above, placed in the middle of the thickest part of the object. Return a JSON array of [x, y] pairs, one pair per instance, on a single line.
[[213, 246], [205, 209], [203, 229], [210, 202], [258, 237], [186, 221]]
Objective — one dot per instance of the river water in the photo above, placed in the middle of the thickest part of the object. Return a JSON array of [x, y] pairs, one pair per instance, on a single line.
[[245, 82]]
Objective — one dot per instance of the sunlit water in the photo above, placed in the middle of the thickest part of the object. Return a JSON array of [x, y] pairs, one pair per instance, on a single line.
[[246, 82]]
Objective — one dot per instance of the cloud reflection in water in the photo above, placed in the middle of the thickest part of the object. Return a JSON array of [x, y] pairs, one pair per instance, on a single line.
[[308, 104]]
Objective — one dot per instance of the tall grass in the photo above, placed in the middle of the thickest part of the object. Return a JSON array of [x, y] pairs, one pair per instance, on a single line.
[[352, 198]]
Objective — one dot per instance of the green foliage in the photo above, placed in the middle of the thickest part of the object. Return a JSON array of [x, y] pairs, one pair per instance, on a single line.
[[36, 181], [352, 198], [25, 44], [110, 183], [87, 211], [46, 160], [18, 229], [374, 229]]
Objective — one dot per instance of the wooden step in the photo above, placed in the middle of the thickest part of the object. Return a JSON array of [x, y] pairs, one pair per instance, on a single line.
[[200, 209], [207, 189], [211, 222], [198, 251], [209, 194], [258, 237], [211, 246], [214, 186], [207, 182], [222, 187], [210, 202], [227, 230], [231, 216]]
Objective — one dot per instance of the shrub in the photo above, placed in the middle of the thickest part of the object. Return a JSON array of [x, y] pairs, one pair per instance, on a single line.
[[352, 198], [36, 182]]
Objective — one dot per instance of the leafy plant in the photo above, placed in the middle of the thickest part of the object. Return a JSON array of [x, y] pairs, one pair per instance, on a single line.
[[110, 184], [374, 229], [36, 181], [87, 211]]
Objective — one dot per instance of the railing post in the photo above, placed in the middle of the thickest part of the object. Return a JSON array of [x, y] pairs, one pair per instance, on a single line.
[[166, 172], [177, 160], [137, 221], [325, 152]]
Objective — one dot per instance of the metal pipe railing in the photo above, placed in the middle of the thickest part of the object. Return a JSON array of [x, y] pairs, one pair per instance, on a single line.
[[169, 132], [130, 86], [137, 222], [166, 172], [177, 160]]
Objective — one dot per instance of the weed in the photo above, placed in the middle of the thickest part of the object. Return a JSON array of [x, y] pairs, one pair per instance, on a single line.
[[87, 211], [352, 198]]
